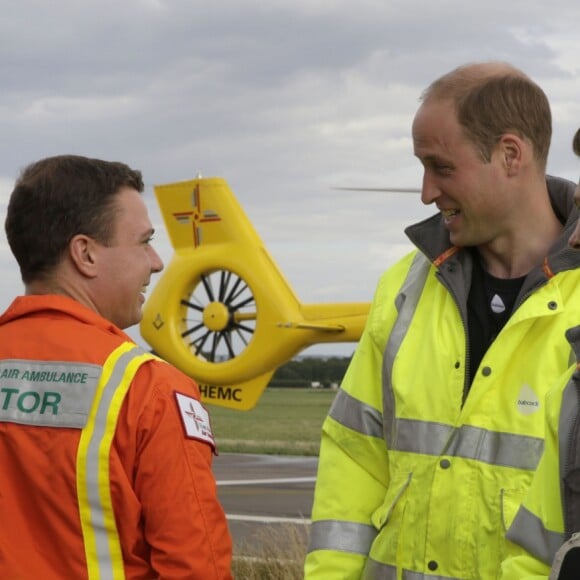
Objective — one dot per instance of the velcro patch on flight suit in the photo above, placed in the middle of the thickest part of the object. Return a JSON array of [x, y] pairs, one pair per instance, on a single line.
[[47, 394], [195, 419]]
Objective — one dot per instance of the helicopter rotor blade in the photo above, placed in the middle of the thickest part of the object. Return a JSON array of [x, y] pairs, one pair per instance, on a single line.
[[382, 189]]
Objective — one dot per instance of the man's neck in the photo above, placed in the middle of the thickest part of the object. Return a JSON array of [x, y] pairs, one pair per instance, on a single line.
[[516, 256]]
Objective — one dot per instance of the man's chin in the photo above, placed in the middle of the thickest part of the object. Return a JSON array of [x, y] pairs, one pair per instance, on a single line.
[[461, 240], [129, 322]]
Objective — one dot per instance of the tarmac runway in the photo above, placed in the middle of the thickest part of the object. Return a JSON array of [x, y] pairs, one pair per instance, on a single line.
[[265, 497]]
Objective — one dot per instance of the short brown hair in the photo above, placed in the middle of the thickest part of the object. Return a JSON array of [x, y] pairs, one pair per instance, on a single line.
[[495, 98], [55, 199]]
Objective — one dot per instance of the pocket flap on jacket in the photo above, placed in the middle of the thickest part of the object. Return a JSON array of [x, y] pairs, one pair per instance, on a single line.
[[395, 493]]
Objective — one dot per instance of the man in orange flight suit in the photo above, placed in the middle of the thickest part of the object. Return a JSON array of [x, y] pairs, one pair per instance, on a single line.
[[105, 450]]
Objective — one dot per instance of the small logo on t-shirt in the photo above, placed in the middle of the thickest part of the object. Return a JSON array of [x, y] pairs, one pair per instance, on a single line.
[[497, 304]]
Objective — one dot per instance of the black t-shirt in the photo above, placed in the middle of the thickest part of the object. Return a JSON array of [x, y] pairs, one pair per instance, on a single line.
[[489, 306]]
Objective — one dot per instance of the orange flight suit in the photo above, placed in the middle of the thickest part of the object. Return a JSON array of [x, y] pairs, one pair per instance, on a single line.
[[127, 478]]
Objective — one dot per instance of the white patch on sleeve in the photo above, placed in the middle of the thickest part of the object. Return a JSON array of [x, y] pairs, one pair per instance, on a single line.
[[195, 419]]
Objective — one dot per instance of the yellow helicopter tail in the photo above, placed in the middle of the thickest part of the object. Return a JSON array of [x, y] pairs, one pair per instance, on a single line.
[[203, 212], [222, 311]]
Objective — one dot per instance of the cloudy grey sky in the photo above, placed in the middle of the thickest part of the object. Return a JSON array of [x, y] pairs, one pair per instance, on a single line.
[[284, 99]]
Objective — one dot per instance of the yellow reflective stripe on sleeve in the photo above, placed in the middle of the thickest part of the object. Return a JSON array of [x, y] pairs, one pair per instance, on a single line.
[[102, 546], [341, 536]]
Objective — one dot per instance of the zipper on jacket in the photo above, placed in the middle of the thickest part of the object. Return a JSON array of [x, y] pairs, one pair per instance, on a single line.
[[467, 362]]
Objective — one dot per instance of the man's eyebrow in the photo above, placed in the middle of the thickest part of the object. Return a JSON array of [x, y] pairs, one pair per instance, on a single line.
[[433, 158]]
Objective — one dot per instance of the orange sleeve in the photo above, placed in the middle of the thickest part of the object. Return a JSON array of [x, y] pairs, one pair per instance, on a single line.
[[184, 525]]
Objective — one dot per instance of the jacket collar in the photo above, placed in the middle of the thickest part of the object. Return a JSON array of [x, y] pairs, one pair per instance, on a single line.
[[43, 304]]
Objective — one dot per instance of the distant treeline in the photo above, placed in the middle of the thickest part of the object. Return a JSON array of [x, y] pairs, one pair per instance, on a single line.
[[311, 371]]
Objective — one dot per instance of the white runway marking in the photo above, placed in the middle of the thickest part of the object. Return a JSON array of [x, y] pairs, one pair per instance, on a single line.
[[267, 519], [266, 481]]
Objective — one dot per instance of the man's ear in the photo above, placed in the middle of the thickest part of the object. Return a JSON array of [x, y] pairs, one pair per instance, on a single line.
[[513, 150], [83, 254]]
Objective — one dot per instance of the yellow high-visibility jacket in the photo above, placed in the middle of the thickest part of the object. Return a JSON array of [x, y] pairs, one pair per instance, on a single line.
[[550, 514], [416, 479]]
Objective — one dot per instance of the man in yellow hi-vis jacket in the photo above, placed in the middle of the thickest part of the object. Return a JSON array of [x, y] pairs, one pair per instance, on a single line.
[[431, 443], [547, 525]]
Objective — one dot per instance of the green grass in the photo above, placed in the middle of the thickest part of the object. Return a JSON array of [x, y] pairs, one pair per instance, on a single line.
[[280, 554], [285, 422]]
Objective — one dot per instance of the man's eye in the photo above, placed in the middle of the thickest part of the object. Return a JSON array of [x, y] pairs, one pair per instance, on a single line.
[[443, 169]]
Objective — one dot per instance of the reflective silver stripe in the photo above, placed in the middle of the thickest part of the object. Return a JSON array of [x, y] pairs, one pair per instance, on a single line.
[[492, 447], [568, 412], [429, 438], [495, 448], [376, 571], [406, 303], [341, 536], [356, 415], [97, 513], [47, 393], [98, 521], [421, 436], [528, 531]]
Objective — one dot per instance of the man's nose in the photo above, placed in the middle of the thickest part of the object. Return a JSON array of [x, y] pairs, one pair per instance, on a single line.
[[429, 190], [156, 262]]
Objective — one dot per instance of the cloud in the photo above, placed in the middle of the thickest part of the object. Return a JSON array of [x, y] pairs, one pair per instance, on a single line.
[[285, 100]]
